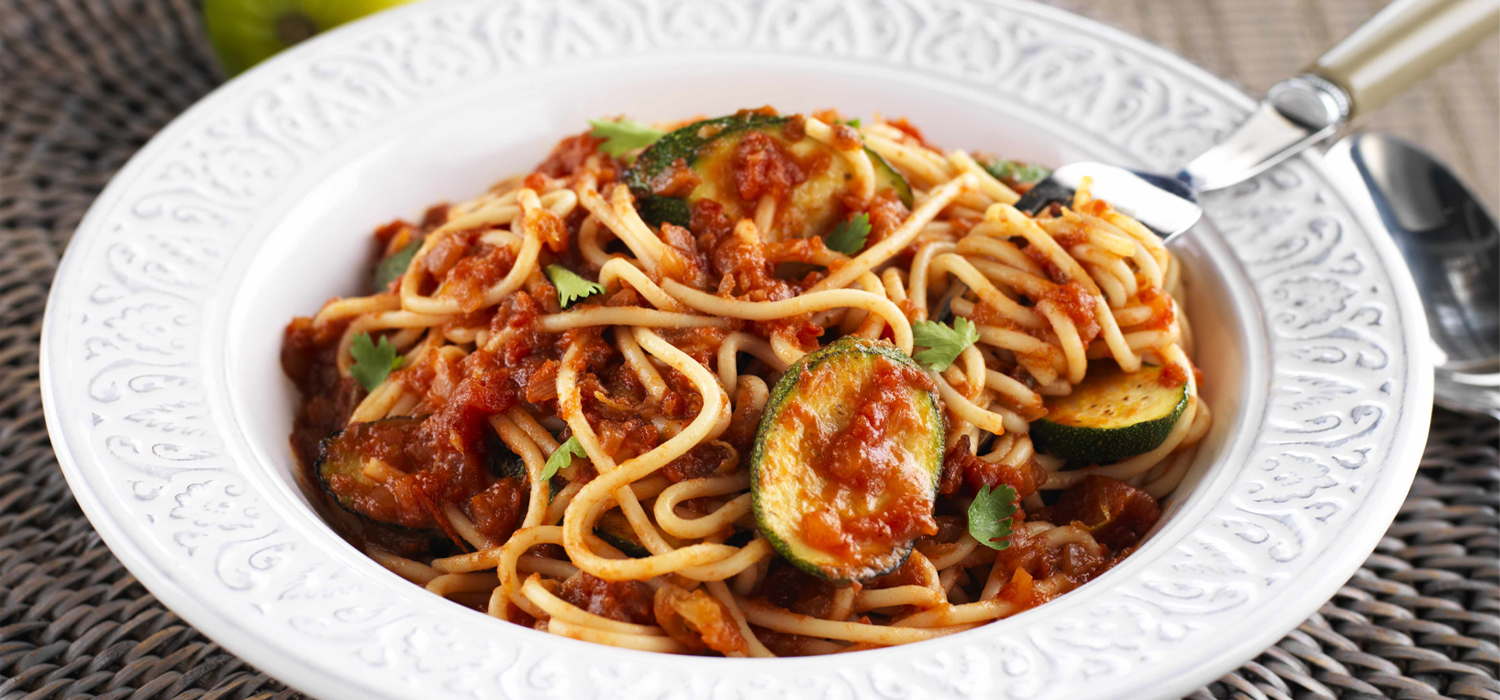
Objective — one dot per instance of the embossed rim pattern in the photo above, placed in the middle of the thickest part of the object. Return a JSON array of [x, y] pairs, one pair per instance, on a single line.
[[131, 389]]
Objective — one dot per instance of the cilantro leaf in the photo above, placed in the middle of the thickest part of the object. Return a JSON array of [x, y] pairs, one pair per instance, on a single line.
[[849, 237], [563, 457], [623, 135], [570, 286], [1016, 172], [394, 266], [990, 516], [373, 363], [942, 342]]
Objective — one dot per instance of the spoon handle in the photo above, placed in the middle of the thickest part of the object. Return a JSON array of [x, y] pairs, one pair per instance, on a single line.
[[1402, 44]]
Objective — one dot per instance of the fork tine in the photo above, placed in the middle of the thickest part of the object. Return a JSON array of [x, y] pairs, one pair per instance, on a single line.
[[1162, 204]]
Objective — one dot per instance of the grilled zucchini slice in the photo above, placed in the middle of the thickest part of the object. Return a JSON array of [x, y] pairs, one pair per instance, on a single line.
[[341, 470], [343, 456], [708, 148], [1113, 415], [845, 466]]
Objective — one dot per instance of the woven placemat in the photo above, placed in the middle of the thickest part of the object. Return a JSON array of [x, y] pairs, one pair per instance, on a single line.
[[84, 83]]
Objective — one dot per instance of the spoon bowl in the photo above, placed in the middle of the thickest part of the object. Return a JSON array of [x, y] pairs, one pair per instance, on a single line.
[[1452, 248]]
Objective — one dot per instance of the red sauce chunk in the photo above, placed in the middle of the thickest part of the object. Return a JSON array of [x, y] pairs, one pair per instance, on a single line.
[[1163, 313], [964, 471], [1172, 376], [846, 138], [876, 493], [625, 601], [1117, 513], [568, 156], [675, 180], [762, 165], [1075, 300]]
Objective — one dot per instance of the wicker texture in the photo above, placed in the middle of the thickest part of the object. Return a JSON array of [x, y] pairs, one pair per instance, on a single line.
[[84, 83]]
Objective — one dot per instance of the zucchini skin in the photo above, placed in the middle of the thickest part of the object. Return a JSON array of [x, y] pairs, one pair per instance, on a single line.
[[617, 532], [330, 462], [501, 461], [785, 391], [884, 171], [1062, 434], [685, 144]]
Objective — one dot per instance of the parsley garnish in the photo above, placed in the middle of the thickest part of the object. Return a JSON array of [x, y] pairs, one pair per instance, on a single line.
[[393, 267], [563, 457], [373, 363], [853, 123], [623, 135], [1016, 172], [990, 516], [570, 287], [849, 237], [943, 343]]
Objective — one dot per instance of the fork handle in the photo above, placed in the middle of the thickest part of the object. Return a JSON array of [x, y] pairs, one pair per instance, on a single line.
[[1402, 44]]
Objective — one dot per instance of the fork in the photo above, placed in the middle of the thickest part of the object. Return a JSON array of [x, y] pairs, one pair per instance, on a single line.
[[1387, 54]]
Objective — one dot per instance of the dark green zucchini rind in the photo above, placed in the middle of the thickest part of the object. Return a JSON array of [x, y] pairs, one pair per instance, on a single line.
[[685, 144], [705, 147], [615, 529], [340, 471], [886, 177], [501, 461], [783, 484], [1111, 415]]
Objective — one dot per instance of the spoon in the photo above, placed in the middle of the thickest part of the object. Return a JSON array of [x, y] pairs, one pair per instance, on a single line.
[[1398, 46], [1451, 246]]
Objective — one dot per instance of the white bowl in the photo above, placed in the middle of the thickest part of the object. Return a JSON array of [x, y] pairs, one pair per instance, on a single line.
[[170, 415]]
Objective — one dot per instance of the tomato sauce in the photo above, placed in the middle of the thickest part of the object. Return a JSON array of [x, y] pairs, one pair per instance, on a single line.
[[697, 620], [761, 165], [910, 130], [1117, 516], [476, 271], [308, 353], [1079, 304], [625, 601], [886, 213], [786, 586], [1163, 312], [675, 180], [1044, 261], [965, 472], [568, 156], [1172, 376], [1117, 513]]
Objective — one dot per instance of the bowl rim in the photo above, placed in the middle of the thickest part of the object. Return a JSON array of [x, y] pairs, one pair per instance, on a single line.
[[120, 532]]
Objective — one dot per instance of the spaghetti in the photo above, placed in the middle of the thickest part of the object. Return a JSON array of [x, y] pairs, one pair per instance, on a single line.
[[653, 393]]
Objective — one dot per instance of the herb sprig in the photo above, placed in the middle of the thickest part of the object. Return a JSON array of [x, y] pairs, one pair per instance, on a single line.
[[623, 136], [849, 236], [943, 343], [570, 286], [563, 457], [373, 363], [990, 516], [393, 267], [1016, 172]]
